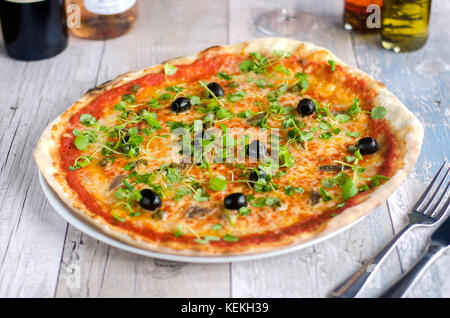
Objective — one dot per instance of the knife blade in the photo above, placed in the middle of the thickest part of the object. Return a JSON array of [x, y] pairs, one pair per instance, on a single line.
[[442, 234], [440, 241]]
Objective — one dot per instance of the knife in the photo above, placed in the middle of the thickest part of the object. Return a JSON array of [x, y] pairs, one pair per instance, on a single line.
[[440, 241]]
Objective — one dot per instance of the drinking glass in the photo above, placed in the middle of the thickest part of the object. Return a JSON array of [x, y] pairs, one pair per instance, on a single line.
[[285, 21]]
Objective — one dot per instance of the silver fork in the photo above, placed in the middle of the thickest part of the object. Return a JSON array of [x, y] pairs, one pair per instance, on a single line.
[[419, 217]]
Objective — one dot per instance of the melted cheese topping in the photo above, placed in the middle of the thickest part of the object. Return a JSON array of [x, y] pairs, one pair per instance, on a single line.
[[327, 87]]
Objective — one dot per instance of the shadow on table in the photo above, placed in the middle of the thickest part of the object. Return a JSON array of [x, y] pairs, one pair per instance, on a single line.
[[3, 49]]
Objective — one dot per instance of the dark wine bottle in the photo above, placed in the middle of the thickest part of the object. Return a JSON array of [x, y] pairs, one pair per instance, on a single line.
[[33, 29]]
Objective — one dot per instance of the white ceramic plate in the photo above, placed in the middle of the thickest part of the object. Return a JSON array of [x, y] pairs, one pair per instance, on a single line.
[[92, 231]]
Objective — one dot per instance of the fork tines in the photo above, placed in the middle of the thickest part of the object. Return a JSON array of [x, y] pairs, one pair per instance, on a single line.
[[428, 197]]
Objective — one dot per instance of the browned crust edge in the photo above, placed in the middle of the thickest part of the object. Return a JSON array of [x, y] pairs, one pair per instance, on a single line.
[[405, 125]]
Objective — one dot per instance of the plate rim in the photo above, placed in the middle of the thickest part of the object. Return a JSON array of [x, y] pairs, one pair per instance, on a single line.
[[64, 211]]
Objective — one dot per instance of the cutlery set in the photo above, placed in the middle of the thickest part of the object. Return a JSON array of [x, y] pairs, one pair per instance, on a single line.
[[430, 209]]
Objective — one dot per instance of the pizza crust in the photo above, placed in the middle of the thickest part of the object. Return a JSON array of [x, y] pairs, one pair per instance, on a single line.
[[404, 124]]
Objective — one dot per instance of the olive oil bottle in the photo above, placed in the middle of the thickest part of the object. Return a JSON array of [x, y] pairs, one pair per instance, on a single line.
[[101, 19], [405, 24]]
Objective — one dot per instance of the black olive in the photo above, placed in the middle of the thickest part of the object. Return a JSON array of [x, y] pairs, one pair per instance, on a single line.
[[126, 138], [216, 89], [255, 175], [256, 150], [125, 148], [367, 146], [181, 104], [306, 107], [235, 201], [150, 200]]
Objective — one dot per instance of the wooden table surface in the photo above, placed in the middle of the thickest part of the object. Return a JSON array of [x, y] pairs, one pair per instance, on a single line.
[[43, 256]]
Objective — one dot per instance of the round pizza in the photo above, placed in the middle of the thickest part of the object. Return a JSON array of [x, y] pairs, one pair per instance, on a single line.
[[238, 149]]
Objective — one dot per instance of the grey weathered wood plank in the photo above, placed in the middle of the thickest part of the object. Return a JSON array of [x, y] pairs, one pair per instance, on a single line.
[[104, 270], [31, 233], [315, 270]]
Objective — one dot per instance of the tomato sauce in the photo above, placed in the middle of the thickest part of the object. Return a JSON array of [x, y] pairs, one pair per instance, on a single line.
[[202, 68]]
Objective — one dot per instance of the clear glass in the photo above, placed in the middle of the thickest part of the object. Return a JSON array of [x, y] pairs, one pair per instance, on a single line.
[[285, 21]]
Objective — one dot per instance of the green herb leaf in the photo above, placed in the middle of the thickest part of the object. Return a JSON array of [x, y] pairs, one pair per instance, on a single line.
[[244, 211], [302, 80], [88, 120], [128, 166], [352, 134], [128, 98], [216, 227], [169, 69], [246, 65], [236, 97], [350, 159], [327, 183], [290, 190], [224, 113], [247, 114], [349, 189], [201, 195], [230, 238], [195, 100], [135, 88], [175, 89], [342, 118], [376, 180], [82, 142], [224, 76], [181, 192], [280, 68], [332, 64], [378, 112], [218, 183], [355, 109], [115, 216], [325, 195]]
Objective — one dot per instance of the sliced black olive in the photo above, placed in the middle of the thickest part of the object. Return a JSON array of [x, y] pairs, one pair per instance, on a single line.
[[256, 175], [181, 104], [315, 197], [197, 212], [306, 107], [256, 150], [150, 200], [125, 148], [117, 182], [235, 201], [257, 117], [334, 168], [216, 89], [367, 146], [233, 84]]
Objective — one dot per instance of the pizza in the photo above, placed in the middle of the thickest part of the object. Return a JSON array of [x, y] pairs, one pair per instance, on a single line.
[[238, 149]]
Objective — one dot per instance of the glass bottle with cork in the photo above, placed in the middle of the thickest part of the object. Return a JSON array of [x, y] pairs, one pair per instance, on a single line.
[[362, 15], [102, 19]]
